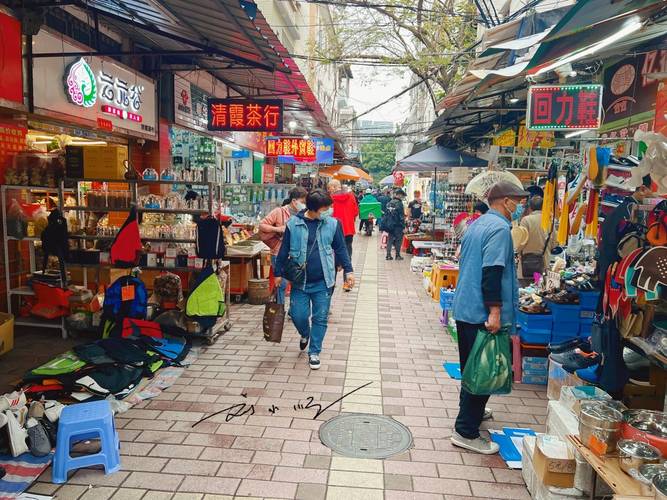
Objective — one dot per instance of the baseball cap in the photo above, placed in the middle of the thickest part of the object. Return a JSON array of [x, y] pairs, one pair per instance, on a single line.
[[504, 189]]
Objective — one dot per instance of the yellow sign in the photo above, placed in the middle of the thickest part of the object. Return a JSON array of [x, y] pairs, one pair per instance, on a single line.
[[529, 139], [506, 138]]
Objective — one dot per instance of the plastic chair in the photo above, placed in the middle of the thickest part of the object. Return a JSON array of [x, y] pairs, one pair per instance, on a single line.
[[81, 422]]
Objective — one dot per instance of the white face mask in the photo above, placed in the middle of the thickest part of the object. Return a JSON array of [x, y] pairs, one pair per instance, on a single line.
[[300, 206], [326, 214]]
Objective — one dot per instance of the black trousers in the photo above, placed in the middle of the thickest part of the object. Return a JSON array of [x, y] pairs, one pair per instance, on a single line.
[[395, 239], [348, 244], [471, 407]]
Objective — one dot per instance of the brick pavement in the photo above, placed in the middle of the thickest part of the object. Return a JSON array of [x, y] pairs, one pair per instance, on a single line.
[[385, 331]]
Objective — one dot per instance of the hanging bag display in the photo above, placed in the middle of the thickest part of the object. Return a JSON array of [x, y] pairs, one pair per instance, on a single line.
[[489, 366], [126, 246], [274, 321], [210, 242]]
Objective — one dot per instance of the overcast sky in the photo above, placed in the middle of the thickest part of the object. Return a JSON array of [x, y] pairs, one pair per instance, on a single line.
[[372, 85]]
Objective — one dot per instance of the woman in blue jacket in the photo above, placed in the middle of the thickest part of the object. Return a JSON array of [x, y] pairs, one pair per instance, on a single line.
[[313, 244]]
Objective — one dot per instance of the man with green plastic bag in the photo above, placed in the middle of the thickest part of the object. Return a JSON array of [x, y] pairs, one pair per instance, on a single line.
[[486, 294]]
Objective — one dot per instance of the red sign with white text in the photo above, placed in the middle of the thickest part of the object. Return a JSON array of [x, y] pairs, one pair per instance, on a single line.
[[245, 115], [303, 150], [564, 107], [11, 82]]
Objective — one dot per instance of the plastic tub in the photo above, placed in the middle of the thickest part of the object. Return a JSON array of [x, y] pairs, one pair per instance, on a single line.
[[535, 336], [588, 300], [564, 312], [530, 322]]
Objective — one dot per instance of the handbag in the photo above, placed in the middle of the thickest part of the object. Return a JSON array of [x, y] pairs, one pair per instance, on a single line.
[[274, 321], [295, 273]]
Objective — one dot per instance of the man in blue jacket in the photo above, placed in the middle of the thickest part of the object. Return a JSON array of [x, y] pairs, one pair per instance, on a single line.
[[486, 294], [313, 244]]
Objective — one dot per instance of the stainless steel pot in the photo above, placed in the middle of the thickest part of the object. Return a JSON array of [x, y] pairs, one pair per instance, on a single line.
[[599, 427], [634, 454], [649, 421], [660, 486]]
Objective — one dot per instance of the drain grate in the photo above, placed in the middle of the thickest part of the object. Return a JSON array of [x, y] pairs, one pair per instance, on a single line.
[[365, 436]]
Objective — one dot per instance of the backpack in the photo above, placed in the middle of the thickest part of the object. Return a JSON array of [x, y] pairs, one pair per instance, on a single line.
[[55, 241], [115, 309], [210, 241], [140, 327], [206, 301], [174, 350], [126, 246]]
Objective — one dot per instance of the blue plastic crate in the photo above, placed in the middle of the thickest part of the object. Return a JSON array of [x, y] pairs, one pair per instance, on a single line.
[[564, 331], [588, 300], [535, 336], [530, 322], [585, 327], [534, 364], [564, 312], [446, 299], [534, 379]]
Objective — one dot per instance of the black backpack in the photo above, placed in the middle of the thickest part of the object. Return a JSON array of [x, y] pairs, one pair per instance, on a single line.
[[55, 241]]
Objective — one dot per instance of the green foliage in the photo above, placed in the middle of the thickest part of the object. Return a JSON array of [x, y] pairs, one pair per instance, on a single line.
[[378, 157]]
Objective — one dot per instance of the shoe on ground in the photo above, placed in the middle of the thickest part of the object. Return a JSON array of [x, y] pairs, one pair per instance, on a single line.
[[12, 401], [38, 440], [52, 410], [389, 257], [17, 435], [36, 410], [488, 414], [576, 360], [51, 431], [568, 345], [398, 257], [303, 343], [21, 415], [314, 361], [479, 445]]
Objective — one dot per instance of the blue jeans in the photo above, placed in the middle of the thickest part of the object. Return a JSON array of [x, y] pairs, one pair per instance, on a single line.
[[316, 297], [280, 292]]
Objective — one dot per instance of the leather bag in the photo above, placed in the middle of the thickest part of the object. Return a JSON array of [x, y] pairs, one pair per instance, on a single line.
[[274, 321]]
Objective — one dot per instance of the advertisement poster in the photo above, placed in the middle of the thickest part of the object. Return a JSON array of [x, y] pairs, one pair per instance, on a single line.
[[11, 83]]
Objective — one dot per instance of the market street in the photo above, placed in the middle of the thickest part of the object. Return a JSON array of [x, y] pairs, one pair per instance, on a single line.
[[386, 331]]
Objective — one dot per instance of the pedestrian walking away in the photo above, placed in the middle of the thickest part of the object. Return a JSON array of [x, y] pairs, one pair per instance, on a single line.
[[346, 210], [393, 223], [485, 297], [272, 228], [312, 245]]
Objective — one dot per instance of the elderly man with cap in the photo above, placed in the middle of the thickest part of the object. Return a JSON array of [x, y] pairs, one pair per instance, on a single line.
[[486, 293]]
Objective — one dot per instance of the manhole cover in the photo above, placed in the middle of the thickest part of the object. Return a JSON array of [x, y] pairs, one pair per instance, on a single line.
[[365, 436]]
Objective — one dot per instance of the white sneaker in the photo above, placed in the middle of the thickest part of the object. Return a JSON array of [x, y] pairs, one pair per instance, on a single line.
[[52, 410], [3, 420], [21, 415], [479, 445], [314, 361], [17, 435], [12, 401], [488, 414]]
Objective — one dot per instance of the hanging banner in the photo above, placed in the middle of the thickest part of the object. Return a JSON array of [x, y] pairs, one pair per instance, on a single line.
[[661, 109], [506, 138], [93, 88], [11, 69], [529, 139], [564, 107], [245, 115], [296, 149], [324, 153]]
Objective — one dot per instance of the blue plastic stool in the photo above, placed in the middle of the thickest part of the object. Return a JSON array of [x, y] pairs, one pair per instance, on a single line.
[[82, 422]]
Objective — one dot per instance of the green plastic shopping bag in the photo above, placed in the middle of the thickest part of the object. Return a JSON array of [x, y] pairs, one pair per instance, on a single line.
[[488, 369]]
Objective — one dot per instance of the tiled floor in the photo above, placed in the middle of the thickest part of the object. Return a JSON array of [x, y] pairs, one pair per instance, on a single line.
[[386, 332]]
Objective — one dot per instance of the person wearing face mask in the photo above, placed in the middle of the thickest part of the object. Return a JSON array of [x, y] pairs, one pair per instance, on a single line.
[[486, 293], [313, 242], [272, 228], [393, 222], [345, 209]]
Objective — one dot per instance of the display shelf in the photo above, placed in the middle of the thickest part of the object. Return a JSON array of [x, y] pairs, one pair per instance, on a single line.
[[21, 290], [143, 268], [86, 237], [142, 181], [176, 211], [27, 238]]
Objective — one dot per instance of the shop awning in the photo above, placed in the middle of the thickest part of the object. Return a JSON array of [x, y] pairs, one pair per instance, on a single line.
[[438, 158]]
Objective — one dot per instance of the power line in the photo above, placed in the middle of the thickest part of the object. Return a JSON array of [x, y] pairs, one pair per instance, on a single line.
[[367, 5]]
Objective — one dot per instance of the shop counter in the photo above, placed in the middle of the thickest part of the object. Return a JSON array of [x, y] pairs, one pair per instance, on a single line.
[[245, 258]]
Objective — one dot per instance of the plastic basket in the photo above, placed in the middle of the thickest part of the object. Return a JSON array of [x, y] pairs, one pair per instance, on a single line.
[[585, 326], [530, 322], [564, 312], [535, 336], [588, 300], [446, 299], [564, 330]]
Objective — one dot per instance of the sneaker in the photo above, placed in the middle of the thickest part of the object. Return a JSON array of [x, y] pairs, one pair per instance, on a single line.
[[51, 430], [52, 410], [389, 257], [17, 435], [576, 360], [569, 345], [38, 439], [398, 257], [21, 415], [12, 401], [36, 410], [488, 414], [479, 445], [314, 361], [303, 343]]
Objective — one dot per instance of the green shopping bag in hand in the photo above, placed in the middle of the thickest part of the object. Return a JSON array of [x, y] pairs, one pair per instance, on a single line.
[[489, 366]]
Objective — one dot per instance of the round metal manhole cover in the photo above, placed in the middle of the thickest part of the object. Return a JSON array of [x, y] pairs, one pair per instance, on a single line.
[[365, 436]]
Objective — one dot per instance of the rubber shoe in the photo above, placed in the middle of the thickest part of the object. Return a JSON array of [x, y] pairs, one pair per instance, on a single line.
[[38, 439], [488, 414], [12, 401], [3, 420], [52, 410], [314, 361], [479, 445], [398, 257], [568, 345], [389, 257], [17, 435], [575, 360], [303, 343], [36, 410]]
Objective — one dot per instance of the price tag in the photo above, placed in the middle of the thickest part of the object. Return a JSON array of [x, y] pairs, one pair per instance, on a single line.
[[127, 293], [171, 253], [553, 281]]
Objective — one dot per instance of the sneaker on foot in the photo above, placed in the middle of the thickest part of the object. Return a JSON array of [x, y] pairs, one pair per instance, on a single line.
[[488, 414], [17, 435], [12, 401], [479, 445], [314, 361], [398, 257], [303, 343], [38, 440], [389, 257]]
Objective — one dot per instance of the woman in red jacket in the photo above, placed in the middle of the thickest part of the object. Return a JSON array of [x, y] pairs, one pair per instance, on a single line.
[[345, 209]]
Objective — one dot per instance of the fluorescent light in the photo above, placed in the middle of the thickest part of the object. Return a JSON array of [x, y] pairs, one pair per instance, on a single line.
[[635, 25], [576, 133], [292, 124], [514, 100], [573, 73], [306, 136], [42, 142], [88, 143]]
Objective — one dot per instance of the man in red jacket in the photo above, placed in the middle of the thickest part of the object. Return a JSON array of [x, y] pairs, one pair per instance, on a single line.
[[345, 209]]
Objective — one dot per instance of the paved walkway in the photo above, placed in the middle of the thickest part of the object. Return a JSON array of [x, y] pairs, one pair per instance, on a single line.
[[386, 332]]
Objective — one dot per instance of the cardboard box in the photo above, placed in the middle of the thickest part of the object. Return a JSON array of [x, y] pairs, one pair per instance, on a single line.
[[6, 332], [553, 462]]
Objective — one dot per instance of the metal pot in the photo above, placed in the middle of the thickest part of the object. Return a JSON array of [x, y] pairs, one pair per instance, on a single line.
[[660, 486], [599, 427], [634, 454], [646, 425]]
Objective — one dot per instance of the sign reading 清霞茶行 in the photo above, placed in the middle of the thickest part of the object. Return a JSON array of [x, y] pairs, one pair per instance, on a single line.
[[245, 115], [298, 149], [564, 107]]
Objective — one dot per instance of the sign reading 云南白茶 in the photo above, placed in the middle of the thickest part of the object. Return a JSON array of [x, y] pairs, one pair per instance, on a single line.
[[245, 115], [564, 107]]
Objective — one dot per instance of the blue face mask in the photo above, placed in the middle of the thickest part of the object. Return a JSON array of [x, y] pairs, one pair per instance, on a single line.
[[326, 214], [518, 211]]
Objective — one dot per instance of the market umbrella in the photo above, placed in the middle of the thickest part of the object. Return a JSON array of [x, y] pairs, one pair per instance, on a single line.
[[364, 175], [438, 158], [387, 181], [480, 184]]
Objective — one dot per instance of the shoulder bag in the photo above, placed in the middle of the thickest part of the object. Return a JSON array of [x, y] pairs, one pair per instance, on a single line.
[[295, 273]]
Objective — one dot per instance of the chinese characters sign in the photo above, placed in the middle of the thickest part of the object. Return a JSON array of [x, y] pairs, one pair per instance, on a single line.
[[12, 141], [245, 115], [564, 107], [302, 150], [11, 83]]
